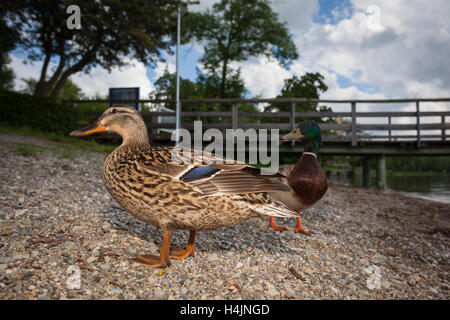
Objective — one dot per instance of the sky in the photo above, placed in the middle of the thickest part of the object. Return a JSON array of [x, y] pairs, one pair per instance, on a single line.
[[365, 49]]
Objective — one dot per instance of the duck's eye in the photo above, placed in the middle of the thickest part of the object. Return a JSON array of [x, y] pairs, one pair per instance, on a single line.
[[114, 111]]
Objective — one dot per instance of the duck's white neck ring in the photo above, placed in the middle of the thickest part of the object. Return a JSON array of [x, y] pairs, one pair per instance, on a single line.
[[313, 154]]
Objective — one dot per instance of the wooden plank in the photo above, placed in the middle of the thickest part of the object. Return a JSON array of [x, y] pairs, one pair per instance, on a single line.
[[309, 114], [276, 100], [314, 114], [292, 120], [394, 137], [390, 131], [401, 114], [353, 133], [443, 130], [418, 123], [234, 117], [279, 126], [386, 127], [383, 148], [193, 114], [339, 121], [323, 126]]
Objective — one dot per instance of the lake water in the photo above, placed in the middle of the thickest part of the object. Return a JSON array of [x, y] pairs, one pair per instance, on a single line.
[[433, 186]]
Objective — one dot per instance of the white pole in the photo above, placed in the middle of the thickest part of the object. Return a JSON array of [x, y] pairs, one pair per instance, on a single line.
[[178, 106]]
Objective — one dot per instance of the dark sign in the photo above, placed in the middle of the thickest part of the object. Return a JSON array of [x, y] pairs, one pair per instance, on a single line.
[[124, 94]]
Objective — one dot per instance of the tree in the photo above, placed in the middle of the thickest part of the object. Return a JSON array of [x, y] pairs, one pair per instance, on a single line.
[[206, 86], [211, 86], [8, 39], [69, 90], [165, 89], [235, 30], [6, 74], [110, 32], [310, 85]]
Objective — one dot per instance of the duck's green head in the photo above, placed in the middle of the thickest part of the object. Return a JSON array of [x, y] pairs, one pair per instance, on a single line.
[[309, 132]]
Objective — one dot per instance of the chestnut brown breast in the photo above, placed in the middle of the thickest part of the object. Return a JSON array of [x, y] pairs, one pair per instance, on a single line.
[[307, 179]]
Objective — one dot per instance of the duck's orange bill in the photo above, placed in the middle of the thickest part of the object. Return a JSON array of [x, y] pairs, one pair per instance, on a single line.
[[94, 127]]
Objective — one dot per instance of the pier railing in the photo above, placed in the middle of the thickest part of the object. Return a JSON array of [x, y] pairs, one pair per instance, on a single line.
[[345, 126]]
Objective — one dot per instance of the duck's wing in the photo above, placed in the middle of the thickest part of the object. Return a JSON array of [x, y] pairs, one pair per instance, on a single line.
[[213, 175], [212, 181]]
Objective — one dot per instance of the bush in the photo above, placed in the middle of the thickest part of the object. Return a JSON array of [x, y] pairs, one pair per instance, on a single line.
[[21, 110]]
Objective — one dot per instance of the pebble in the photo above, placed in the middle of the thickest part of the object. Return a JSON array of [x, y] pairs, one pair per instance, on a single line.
[[66, 221], [6, 260], [160, 294], [116, 291], [91, 259], [272, 292]]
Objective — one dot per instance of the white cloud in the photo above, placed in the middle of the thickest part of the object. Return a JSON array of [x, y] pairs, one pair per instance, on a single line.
[[98, 80], [263, 77], [161, 67], [24, 71], [399, 47]]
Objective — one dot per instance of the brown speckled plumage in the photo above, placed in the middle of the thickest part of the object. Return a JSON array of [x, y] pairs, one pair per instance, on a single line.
[[158, 186], [143, 180]]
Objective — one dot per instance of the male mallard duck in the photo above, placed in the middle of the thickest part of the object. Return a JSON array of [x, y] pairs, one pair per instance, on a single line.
[[157, 187], [306, 178]]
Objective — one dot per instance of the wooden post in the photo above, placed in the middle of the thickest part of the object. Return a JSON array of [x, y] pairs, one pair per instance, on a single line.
[[443, 130], [354, 138], [381, 172], [418, 122], [234, 116], [339, 121], [292, 118], [389, 122], [366, 172]]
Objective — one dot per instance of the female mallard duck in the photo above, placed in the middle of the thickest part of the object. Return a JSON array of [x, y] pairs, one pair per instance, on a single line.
[[159, 186], [306, 178]]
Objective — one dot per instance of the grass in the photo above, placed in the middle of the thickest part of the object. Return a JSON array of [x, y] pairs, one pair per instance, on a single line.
[[66, 147], [25, 149]]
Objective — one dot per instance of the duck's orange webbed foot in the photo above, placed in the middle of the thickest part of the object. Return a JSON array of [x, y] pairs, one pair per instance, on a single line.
[[153, 261], [299, 227], [275, 227], [179, 253]]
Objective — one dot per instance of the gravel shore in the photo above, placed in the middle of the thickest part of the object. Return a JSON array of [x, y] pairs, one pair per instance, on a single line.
[[63, 237]]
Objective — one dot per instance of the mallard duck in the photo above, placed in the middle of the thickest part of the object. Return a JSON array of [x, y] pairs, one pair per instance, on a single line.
[[159, 186], [306, 178]]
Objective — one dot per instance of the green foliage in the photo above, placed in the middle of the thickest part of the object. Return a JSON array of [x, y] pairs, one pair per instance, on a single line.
[[310, 85], [8, 39], [165, 87], [235, 30], [110, 32], [38, 113], [69, 91], [206, 86], [6, 74]]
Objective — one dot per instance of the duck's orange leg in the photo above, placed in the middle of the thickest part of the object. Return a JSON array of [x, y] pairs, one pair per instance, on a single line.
[[190, 248], [299, 226], [273, 226], [164, 257]]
